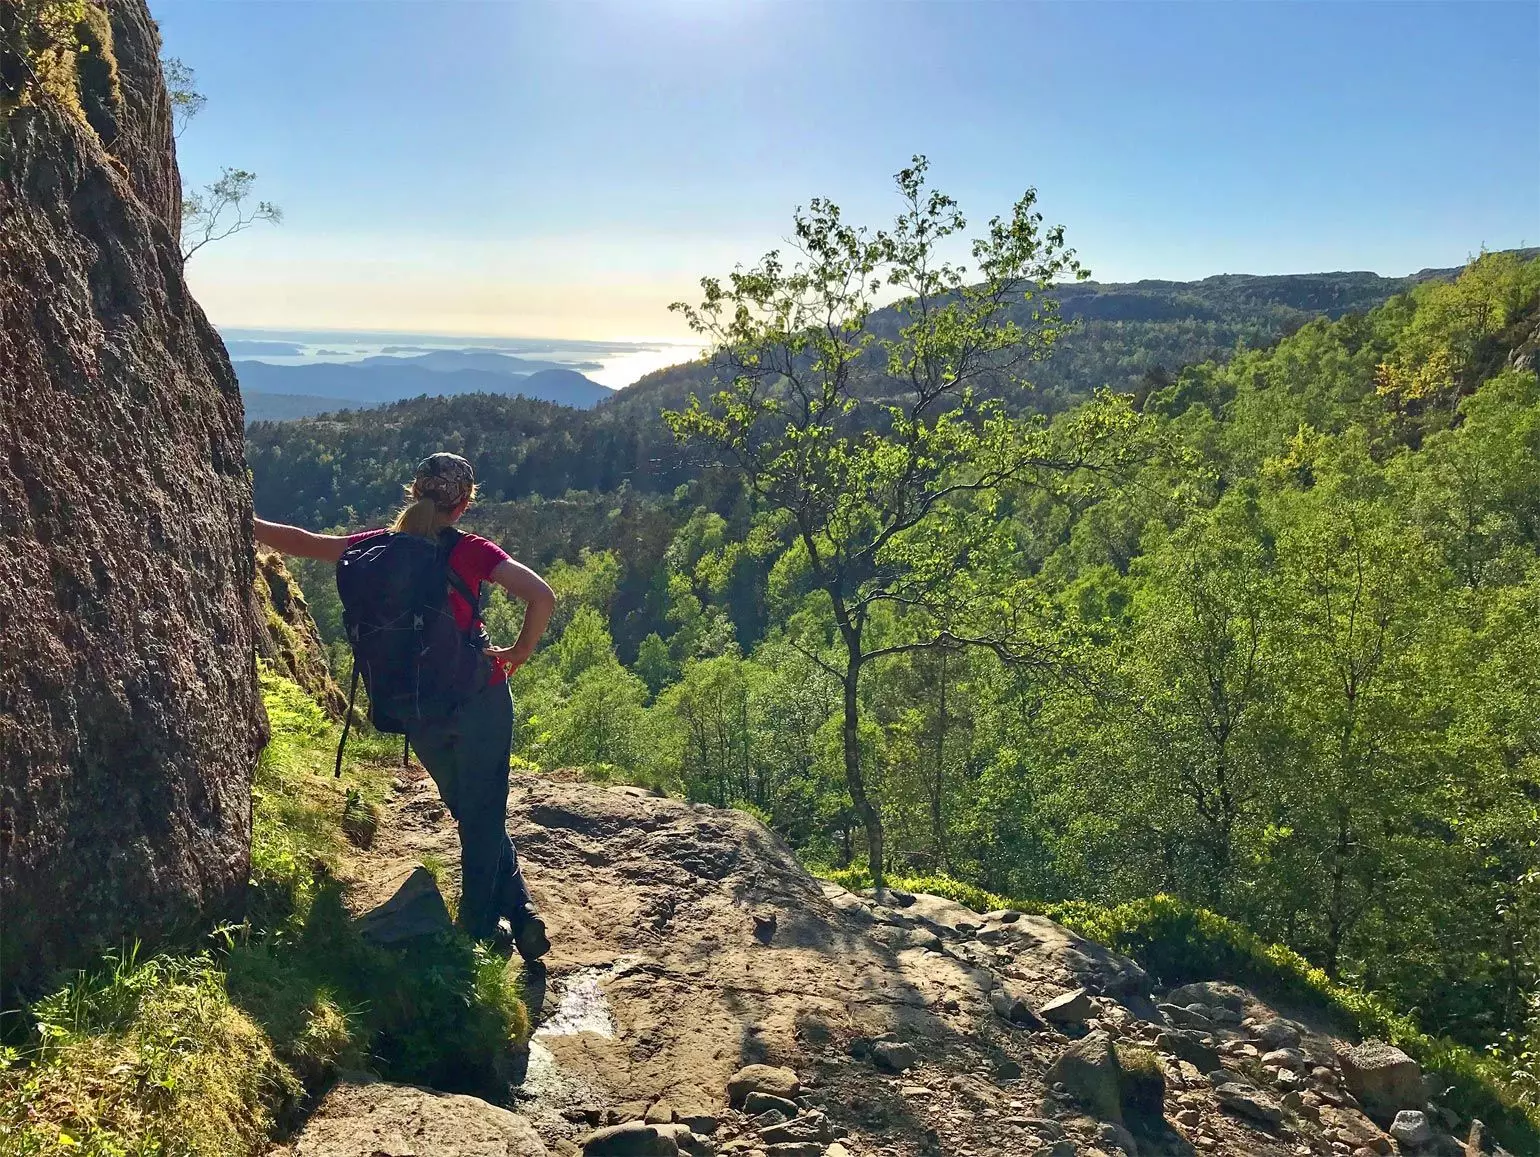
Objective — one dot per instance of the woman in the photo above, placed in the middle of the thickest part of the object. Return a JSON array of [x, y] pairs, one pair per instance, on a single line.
[[468, 754]]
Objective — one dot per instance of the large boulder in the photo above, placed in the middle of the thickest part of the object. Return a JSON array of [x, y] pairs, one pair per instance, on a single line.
[[778, 1082], [130, 719], [414, 910], [1089, 1071], [1070, 1008], [632, 1139], [1383, 1078], [373, 1118], [1411, 1128], [1250, 1103]]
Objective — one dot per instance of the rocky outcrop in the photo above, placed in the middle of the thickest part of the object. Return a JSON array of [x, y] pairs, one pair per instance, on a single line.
[[360, 1118], [706, 996], [289, 638], [129, 715]]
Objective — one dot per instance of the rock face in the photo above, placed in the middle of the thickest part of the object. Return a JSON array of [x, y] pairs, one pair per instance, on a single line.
[[129, 715], [660, 1007], [289, 638]]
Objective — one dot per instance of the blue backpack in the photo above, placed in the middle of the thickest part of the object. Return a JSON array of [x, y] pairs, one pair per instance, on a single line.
[[416, 662]]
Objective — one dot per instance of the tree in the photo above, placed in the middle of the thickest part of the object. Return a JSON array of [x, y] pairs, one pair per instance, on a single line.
[[1199, 683], [1360, 655], [221, 208], [182, 87], [873, 448]]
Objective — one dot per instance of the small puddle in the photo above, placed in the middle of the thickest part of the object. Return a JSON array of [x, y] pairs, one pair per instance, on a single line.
[[583, 1007], [547, 1088]]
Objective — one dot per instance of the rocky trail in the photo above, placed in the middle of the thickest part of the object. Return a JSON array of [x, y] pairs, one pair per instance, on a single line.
[[706, 995]]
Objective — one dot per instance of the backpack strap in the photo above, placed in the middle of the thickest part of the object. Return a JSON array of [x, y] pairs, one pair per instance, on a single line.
[[450, 538], [347, 721]]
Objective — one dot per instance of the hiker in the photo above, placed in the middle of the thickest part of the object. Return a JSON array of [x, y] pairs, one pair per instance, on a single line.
[[411, 603]]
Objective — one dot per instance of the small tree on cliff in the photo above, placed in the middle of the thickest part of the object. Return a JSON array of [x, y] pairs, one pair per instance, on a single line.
[[221, 208], [862, 435]]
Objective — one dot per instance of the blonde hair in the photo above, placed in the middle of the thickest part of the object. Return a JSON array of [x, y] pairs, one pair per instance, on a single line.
[[423, 516]]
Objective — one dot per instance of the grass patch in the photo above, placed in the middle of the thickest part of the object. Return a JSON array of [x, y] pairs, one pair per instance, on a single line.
[[438, 1012], [207, 1055], [1178, 944], [142, 1059]]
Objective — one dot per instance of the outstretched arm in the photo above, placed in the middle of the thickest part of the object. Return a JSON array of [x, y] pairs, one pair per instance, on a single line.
[[305, 543], [539, 602]]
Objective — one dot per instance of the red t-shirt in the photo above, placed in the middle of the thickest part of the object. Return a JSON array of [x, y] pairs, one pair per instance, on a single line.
[[474, 559]]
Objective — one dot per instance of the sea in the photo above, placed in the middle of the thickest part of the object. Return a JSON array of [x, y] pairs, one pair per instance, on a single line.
[[609, 363]]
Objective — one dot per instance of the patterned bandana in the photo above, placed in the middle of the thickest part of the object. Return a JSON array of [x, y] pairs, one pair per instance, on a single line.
[[445, 478]]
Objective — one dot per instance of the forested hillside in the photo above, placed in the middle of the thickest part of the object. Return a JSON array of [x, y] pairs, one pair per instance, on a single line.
[[1129, 338], [1296, 680]]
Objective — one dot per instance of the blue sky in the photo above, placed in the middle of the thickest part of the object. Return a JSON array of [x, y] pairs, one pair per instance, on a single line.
[[567, 169]]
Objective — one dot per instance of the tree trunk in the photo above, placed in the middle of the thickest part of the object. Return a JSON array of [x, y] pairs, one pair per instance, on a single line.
[[870, 820], [938, 782], [1336, 915]]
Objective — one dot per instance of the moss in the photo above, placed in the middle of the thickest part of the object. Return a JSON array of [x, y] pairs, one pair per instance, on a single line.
[[142, 1058], [289, 638], [60, 49], [99, 93], [1179, 943], [1142, 1083]]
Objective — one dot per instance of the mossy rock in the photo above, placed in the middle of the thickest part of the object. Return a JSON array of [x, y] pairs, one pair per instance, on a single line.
[[1142, 1084]]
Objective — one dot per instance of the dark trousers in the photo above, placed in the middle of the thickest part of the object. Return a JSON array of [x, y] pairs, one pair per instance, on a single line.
[[467, 756]]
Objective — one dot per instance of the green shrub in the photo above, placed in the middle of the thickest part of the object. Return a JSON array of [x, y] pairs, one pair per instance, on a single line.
[[437, 1011]]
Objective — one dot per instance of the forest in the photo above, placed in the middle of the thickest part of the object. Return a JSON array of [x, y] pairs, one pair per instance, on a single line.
[[1128, 337], [1257, 631]]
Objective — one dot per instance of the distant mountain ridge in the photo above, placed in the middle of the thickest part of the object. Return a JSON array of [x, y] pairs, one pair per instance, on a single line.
[[387, 379], [263, 407], [448, 361], [1131, 334]]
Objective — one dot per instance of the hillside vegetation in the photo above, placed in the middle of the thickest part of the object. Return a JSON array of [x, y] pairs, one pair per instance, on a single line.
[[1129, 337], [1297, 675]]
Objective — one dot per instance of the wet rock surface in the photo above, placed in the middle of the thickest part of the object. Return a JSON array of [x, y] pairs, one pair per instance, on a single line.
[[130, 719], [664, 1012]]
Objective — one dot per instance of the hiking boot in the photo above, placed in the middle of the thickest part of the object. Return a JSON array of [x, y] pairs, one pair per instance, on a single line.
[[529, 935]]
